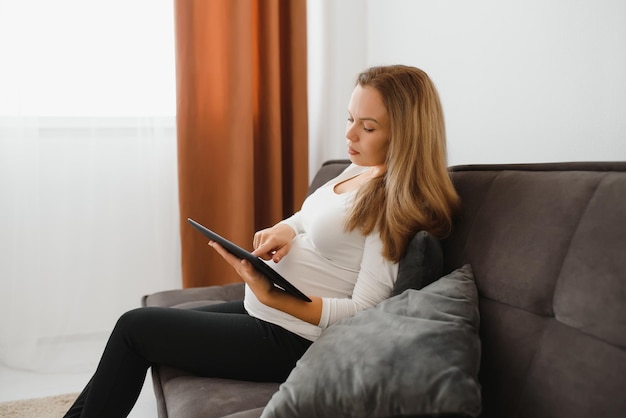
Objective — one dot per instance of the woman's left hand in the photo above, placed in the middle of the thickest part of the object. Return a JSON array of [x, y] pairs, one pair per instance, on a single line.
[[258, 283]]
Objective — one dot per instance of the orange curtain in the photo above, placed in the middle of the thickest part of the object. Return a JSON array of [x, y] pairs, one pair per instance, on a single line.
[[241, 120]]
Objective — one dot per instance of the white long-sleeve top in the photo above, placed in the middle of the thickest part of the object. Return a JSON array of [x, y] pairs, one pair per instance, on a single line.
[[346, 269]]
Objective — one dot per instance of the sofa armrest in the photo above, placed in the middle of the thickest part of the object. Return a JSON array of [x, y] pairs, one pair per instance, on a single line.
[[195, 296]]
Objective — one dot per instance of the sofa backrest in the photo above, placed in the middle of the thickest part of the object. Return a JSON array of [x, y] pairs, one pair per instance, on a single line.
[[547, 243], [329, 170]]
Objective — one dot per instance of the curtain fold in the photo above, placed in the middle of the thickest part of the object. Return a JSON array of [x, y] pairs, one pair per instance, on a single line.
[[242, 123]]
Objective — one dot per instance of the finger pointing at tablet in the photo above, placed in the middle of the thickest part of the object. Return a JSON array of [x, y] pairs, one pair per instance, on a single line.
[[273, 243]]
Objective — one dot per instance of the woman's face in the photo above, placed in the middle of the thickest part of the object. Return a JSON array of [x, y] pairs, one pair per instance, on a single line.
[[367, 130]]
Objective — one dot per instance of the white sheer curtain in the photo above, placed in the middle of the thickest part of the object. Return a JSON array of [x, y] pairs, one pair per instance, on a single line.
[[88, 175]]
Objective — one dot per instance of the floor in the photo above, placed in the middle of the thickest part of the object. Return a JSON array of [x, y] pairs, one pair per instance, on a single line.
[[71, 362], [18, 384]]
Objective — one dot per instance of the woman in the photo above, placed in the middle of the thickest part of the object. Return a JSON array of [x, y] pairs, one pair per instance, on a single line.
[[341, 249]]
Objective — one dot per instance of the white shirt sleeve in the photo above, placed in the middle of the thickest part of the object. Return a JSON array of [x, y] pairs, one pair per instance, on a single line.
[[295, 222], [374, 284]]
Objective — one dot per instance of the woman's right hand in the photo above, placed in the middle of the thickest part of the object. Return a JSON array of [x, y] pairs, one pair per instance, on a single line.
[[273, 243]]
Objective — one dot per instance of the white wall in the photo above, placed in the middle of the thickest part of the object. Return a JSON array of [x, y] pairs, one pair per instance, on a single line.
[[520, 81], [336, 53]]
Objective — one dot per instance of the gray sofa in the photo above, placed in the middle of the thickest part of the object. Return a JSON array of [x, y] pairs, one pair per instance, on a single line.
[[547, 248]]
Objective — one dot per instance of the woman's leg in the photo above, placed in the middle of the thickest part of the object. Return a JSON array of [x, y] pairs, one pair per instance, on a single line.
[[218, 341]]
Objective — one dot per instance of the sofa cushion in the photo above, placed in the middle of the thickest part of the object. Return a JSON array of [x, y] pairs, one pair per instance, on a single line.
[[189, 396], [421, 264], [415, 354]]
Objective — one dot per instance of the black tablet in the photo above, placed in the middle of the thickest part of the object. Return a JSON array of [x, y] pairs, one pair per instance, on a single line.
[[256, 262]]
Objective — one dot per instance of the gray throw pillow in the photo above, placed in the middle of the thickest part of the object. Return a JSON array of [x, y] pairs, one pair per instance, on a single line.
[[421, 264], [415, 354]]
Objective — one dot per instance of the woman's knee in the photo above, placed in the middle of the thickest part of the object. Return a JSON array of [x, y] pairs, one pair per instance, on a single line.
[[136, 319]]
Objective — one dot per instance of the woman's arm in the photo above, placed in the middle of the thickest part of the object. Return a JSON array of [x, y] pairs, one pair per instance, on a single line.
[[374, 284]]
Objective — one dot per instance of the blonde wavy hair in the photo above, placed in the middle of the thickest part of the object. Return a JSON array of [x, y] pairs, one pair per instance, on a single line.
[[415, 191]]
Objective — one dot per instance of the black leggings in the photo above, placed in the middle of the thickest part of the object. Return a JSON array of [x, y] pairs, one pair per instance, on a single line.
[[219, 340]]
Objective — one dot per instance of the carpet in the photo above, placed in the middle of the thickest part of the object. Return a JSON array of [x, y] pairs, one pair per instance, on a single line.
[[49, 407]]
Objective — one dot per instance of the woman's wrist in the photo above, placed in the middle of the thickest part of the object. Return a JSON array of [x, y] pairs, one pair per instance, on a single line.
[[279, 299]]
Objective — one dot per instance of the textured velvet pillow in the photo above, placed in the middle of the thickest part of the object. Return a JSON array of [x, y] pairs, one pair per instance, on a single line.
[[415, 354], [421, 264]]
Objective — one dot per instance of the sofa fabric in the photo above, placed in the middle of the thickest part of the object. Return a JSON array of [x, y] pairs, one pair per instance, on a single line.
[[546, 243]]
